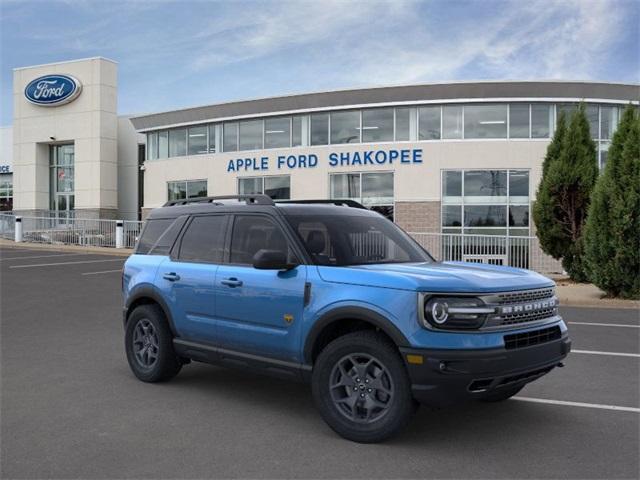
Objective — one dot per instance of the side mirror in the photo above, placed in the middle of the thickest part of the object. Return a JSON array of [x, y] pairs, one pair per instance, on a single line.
[[271, 260]]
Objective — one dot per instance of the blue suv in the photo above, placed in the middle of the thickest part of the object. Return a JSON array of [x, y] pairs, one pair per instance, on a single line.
[[334, 294]]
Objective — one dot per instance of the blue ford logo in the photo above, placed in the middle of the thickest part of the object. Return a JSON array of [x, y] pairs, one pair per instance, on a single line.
[[53, 90]]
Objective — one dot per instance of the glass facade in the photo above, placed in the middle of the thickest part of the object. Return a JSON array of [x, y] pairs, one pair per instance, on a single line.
[[185, 189], [485, 121], [429, 123], [377, 125], [486, 202], [277, 187], [345, 127]]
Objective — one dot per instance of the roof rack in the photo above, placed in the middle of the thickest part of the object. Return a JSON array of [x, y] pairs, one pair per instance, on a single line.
[[341, 203], [249, 200]]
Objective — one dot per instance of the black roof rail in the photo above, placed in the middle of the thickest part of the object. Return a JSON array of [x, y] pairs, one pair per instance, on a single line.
[[338, 202], [249, 200]]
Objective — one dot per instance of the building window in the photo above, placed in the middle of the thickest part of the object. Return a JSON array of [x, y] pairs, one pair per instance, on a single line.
[[608, 122], [403, 124], [6, 192], [277, 132], [485, 121], [276, 187], [345, 127], [320, 129], [373, 189], [197, 140], [185, 189], [178, 142], [541, 120], [429, 123], [163, 144], [152, 146], [212, 138], [452, 121], [230, 137], [485, 202], [251, 135], [519, 120], [296, 131], [592, 112], [62, 176], [377, 125]]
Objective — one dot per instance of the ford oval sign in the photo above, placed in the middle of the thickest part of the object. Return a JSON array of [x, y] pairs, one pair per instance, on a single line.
[[53, 90]]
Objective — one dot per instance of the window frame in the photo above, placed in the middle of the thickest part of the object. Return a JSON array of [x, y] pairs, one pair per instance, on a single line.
[[176, 249], [262, 181], [186, 188], [460, 203]]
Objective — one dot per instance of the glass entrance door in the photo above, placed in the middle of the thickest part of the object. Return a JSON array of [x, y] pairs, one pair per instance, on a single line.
[[62, 176]]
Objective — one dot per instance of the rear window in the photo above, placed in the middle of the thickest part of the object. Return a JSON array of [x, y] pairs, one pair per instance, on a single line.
[[153, 230]]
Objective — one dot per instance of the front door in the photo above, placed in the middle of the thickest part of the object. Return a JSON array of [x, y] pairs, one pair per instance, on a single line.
[[259, 311], [187, 279]]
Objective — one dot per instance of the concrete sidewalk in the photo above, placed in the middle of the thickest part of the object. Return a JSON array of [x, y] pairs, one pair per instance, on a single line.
[[569, 293]]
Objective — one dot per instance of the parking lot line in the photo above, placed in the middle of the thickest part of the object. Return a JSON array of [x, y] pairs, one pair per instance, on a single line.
[[104, 271], [578, 404], [41, 256], [68, 263], [614, 354], [604, 324]]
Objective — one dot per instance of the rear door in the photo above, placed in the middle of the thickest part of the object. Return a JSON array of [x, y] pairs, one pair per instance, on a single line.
[[259, 311], [187, 278]]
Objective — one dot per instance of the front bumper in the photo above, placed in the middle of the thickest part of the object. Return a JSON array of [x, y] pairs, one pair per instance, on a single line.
[[447, 377]]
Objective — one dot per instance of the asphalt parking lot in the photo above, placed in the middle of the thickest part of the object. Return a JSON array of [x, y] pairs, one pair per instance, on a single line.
[[70, 408]]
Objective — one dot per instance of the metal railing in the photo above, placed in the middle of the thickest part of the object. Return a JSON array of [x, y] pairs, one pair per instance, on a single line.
[[72, 231], [520, 252]]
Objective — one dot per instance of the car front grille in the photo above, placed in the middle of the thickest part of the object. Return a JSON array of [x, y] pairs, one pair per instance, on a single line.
[[516, 308], [535, 337], [525, 296]]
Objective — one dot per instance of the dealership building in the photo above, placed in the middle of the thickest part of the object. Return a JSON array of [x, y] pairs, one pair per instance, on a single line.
[[449, 157]]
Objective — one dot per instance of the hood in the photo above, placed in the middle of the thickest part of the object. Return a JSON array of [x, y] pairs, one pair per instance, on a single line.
[[437, 277]]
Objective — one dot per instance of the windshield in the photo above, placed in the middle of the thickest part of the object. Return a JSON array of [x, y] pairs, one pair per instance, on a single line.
[[343, 240]]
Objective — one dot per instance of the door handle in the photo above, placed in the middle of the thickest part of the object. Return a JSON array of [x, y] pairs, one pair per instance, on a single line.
[[171, 276], [231, 282]]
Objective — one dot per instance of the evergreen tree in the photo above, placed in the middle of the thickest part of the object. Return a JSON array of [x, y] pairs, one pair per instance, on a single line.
[[612, 232], [563, 197], [549, 232]]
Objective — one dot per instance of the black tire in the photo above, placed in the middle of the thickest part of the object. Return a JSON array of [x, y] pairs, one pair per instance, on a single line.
[[158, 344], [387, 371], [501, 394]]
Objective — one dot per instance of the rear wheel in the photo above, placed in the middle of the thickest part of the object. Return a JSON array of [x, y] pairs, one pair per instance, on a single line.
[[501, 394], [361, 387], [149, 345]]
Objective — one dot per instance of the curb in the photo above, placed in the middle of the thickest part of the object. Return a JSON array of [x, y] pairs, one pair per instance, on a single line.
[[124, 252]]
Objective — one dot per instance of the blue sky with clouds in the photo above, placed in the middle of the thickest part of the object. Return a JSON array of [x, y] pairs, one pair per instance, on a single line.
[[174, 54]]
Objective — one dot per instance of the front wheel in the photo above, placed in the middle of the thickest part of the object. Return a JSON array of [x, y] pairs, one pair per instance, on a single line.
[[361, 387]]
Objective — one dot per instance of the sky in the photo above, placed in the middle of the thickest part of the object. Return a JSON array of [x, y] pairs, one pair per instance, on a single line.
[[176, 54]]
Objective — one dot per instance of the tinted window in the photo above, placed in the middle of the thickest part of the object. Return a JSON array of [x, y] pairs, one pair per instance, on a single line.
[[429, 123], [485, 121], [197, 140], [151, 233], [320, 129], [251, 135], [541, 120], [204, 239], [342, 240], [277, 132], [519, 120], [252, 233], [167, 239], [345, 127], [178, 142], [403, 123], [377, 125]]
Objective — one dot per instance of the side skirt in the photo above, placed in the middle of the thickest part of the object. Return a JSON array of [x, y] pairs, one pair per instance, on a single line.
[[200, 352]]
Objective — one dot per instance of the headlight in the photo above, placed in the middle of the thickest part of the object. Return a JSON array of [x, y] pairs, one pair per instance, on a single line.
[[455, 312]]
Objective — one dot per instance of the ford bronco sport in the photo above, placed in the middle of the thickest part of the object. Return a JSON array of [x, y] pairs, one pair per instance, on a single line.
[[332, 293]]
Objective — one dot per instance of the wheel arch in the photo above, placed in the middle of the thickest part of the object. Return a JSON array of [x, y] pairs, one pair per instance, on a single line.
[[148, 296], [343, 320]]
